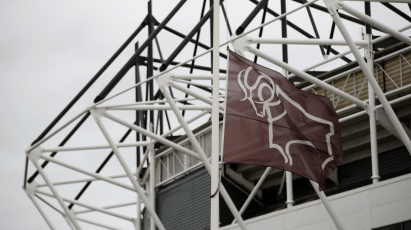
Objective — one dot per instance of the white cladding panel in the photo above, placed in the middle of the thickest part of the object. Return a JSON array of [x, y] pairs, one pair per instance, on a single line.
[[371, 206]]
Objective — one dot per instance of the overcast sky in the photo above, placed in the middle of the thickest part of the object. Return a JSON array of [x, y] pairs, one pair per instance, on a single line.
[[50, 49]]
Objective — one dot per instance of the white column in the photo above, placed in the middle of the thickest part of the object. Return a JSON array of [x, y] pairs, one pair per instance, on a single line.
[[152, 193], [289, 183], [137, 221], [371, 106], [215, 124]]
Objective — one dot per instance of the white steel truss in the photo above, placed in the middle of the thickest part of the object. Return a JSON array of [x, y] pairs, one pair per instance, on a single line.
[[178, 159]]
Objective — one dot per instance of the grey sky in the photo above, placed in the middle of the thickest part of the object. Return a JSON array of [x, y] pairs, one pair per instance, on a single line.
[[50, 49]]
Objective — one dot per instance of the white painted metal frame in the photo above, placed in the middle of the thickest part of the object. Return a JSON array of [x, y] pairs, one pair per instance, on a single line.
[[167, 78]]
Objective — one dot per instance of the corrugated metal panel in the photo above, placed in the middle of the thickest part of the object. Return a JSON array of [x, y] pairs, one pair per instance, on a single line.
[[355, 174], [185, 204], [392, 163]]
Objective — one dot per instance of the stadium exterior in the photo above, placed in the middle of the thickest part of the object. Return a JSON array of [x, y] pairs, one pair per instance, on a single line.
[[370, 190]]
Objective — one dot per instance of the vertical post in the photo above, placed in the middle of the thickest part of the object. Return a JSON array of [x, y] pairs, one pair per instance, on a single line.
[[373, 125], [139, 119], [152, 178], [400, 69], [284, 35], [289, 183], [137, 223], [369, 55], [289, 175], [150, 59], [139, 114], [211, 34], [215, 167], [284, 30]]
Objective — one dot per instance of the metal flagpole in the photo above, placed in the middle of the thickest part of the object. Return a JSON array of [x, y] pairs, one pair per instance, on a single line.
[[215, 125]]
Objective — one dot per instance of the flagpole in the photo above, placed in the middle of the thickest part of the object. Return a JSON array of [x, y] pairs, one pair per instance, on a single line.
[[215, 215]]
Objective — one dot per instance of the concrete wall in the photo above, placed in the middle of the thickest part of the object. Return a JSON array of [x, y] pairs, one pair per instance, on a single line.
[[368, 207]]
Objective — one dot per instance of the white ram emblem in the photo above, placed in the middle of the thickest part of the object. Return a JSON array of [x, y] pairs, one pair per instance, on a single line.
[[275, 91]]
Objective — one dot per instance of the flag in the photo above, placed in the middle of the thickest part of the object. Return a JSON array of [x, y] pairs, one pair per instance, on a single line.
[[271, 123]]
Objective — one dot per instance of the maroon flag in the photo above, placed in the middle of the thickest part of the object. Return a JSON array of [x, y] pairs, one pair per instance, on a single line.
[[271, 123]]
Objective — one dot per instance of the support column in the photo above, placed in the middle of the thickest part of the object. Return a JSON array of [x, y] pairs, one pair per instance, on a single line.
[[215, 122], [137, 221], [284, 31], [371, 100], [284, 35], [152, 193], [139, 121], [150, 59], [289, 183]]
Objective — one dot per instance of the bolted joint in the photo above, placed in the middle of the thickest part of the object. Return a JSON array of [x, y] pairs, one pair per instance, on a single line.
[[31, 189], [241, 45], [35, 154], [367, 109], [369, 52], [164, 80], [333, 6], [98, 113]]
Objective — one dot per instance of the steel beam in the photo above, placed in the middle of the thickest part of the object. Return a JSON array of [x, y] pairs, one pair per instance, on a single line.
[[134, 58]]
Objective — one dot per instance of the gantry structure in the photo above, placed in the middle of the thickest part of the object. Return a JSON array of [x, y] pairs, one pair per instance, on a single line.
[[370, 90]]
